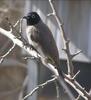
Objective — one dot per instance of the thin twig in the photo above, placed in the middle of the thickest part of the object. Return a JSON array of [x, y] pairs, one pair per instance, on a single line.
[[65, 41], [10, 25], [72, 56], [81, 91], [13, 28], [17, 22], [57, 90], [78, 97], [20, 33], [25, 82], [40, 86], [26, 58], [76, 74], [20, 21], [7, 53]]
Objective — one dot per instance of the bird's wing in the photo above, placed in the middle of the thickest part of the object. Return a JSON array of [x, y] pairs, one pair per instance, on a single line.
[[43, 36]]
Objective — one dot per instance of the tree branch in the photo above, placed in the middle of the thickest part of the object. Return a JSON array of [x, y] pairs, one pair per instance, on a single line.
[[71, 79], [57, 91], [35, 54], [18, 42], [2, 57], [39, 86], [65, 41]]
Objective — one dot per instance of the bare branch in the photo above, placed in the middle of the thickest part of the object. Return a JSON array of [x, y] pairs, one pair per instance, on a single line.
[[78, 97], [76, 74], [50, 14], [19, 42], [7, 53], [72, 56], [40, 86], [21, 25], [26, 58], [19, 21], [10, 25], [25, 82], [34, 53], [81, 91], [57, 90], [65, 41]]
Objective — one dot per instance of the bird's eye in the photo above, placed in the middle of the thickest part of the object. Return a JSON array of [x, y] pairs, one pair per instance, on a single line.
[[33, 16]]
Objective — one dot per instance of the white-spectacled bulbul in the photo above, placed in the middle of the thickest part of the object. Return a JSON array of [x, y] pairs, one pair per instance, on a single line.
[[41, 38]]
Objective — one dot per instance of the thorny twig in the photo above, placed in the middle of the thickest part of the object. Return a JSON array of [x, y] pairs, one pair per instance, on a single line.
[[71, 80], [65, 40]]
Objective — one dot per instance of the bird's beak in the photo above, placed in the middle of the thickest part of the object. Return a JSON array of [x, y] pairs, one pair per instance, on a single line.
[[25, 17]]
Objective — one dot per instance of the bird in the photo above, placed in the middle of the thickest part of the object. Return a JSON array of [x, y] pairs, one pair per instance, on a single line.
[[40, 37]]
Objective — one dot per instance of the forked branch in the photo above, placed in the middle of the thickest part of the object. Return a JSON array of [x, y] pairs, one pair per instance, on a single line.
[[70, 79]]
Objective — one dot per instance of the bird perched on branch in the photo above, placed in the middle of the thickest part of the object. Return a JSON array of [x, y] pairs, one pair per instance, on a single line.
[[40, 37]]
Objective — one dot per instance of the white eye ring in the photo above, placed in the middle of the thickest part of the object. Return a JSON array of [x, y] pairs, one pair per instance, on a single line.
[[33, 16]]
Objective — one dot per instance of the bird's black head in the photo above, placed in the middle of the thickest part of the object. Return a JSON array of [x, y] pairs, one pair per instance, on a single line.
[[32, 18]]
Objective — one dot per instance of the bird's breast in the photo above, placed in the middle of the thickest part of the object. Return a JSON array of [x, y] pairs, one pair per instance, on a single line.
[[29, 33], [33, 43]]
